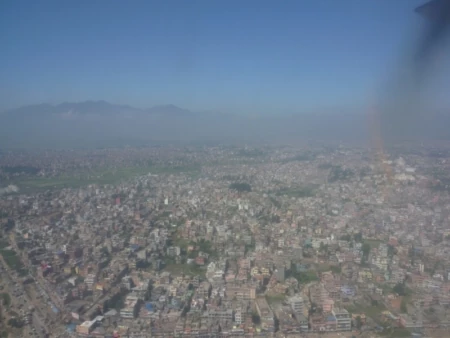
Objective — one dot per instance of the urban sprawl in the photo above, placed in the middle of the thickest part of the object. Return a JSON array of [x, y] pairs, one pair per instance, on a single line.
[[224, 241]]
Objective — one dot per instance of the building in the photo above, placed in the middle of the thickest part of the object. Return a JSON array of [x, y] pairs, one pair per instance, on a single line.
[[265, 313], [89, 281], [409, 322], [204, 290], [239, 316], [173, 251], [131, 307], [85, 328], [241, 292], [322, 322], [287, 322], [318, 294], [343, 319], [297, 304], [279, 274], [220, 314], [127, 282], [302, 322]]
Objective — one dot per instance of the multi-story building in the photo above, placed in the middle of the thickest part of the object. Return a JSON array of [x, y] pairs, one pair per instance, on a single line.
[[323, 322], [221, 314], [241, 292], [265, 313], [127, 282], [89, 281], [318, 294], [239, 317], [297, 304], [343, 319], [287, 323], [409, 322], [85, 328], [173, 251], [302, 322], [203, 290], [129, 311]]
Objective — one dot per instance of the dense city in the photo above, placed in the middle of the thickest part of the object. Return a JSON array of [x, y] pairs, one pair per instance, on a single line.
[[225, 242]]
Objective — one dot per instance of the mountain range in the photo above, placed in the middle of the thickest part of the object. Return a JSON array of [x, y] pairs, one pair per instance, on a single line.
[[99, 123], [92, 108]]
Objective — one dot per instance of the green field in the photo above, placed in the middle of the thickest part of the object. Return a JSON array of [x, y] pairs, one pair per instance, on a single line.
[[5, 299], [275, 299], [373, 312], [374, 243], [187, 269], [396, 332], [300, 192], [13, 261], [101, 177], [3, 244]]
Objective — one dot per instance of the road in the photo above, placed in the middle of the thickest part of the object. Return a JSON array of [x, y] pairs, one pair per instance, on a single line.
[[42, 282], [19, 300], [44, 320]]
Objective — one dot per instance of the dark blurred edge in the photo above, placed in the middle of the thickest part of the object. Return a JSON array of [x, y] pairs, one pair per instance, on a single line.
[[434, 9]]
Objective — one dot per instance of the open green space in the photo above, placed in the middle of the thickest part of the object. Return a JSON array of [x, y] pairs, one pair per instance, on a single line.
[[303, 277], [275, 299], [372, 311], [187, 269], [374, 243], [3, 244], [14, 262], [325, 267], [299, 192], [396, 332], [5, 298], [101, 177]]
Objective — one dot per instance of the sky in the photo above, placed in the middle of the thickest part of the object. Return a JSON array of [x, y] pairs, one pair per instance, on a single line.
[[255, 57]]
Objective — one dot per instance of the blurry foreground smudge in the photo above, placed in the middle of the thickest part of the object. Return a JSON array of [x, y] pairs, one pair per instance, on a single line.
[[437, 14], [399, 115]]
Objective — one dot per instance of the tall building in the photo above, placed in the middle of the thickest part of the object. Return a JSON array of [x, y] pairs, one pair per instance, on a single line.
[[279, 274], [297, 304], [343, 319]]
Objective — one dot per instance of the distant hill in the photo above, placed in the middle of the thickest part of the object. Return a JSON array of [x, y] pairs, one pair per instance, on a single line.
[[102, 124], [170, 110], [104, 108]]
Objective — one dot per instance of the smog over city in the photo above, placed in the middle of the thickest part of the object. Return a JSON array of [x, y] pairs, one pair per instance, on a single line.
[[225, 169]]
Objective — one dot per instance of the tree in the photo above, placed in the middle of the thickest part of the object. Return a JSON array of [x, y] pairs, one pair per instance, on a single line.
[[323, 247], [400, 289], [256, 319], [391, 250], [403, 307], [346, 237], [366, 250], [148, 293], [104, 251], [358, 237], [241, 187], [14, 322], [75, 237], [6, 299], [275, 219], [336, 269]]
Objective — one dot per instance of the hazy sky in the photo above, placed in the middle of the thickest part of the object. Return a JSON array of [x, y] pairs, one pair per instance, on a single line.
[[238, 56]]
